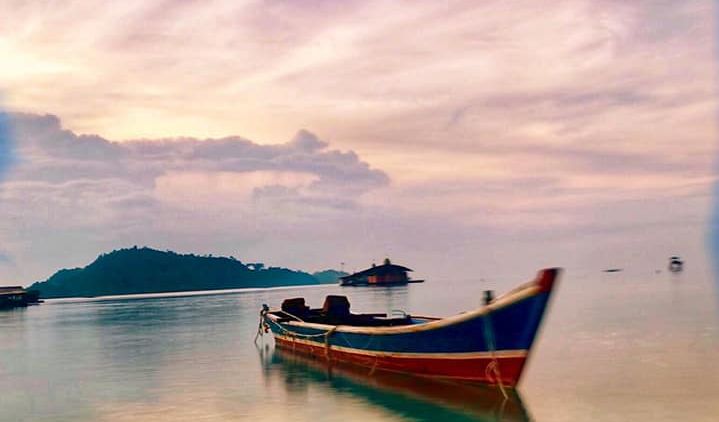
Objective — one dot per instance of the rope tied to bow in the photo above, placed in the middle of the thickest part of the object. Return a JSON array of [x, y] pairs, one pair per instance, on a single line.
[[493, 367], [328, 346], [262, 327]]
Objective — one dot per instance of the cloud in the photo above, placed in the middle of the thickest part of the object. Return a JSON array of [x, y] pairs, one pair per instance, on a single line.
[[55, 155]]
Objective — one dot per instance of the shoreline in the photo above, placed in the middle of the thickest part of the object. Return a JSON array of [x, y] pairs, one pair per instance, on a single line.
[[186, 293]]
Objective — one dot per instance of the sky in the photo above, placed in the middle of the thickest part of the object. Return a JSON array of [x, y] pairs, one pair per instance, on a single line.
[[463, 139]]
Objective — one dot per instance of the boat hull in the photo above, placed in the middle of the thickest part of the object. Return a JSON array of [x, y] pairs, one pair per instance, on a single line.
[[488, 345], [465, 368]]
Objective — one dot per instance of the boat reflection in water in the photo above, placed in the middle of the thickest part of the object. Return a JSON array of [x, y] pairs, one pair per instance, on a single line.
[[409, 397]]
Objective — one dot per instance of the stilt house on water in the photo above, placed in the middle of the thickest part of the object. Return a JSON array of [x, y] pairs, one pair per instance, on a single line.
[[15, 296], [379, 275]]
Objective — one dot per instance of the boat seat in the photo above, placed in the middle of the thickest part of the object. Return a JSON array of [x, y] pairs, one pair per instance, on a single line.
[[336, 309], [296, 306]]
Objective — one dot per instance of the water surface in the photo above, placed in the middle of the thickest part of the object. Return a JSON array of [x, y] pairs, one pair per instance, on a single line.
[[615, 347]]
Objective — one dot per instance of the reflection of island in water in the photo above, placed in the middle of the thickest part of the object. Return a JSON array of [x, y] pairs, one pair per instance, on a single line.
[[409, 397]]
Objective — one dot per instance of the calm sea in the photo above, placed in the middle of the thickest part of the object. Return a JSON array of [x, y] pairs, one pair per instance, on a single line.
[[615, 347]]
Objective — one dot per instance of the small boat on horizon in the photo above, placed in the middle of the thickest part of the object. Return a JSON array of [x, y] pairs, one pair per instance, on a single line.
[[488, 345], [676, 264]]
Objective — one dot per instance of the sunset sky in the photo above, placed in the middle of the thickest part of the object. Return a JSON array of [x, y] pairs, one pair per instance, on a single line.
[[462, 139]]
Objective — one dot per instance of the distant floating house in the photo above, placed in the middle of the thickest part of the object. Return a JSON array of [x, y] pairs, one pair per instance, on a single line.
[[379, 275], [16, 296]]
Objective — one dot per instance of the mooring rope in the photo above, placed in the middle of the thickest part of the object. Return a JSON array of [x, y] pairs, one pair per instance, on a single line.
[[328, 333], [262, 327], [295, 334], [494, 365]]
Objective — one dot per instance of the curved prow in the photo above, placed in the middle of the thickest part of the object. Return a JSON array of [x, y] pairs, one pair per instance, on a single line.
[[544, 282], [546, 278]]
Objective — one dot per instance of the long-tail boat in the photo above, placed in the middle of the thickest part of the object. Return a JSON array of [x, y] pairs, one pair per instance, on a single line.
[[487, 345]]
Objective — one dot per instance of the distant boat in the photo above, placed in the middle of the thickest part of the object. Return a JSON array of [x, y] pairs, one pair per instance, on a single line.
[[379, 275], [486, 345], [676, 264]]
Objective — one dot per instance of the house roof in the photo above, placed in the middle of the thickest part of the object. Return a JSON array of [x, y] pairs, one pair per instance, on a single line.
[[12, 290], [378, 270]]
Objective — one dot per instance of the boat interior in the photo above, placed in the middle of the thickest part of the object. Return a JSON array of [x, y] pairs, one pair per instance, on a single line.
[[336, 311]]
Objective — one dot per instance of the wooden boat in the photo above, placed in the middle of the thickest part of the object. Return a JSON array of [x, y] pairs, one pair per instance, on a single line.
[[487, 345]]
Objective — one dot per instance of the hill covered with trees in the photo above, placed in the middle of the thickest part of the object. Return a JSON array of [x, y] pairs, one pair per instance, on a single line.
[[146, 270]]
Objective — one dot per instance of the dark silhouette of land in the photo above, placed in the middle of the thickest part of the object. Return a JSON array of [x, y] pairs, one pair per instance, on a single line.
[[145, 270]]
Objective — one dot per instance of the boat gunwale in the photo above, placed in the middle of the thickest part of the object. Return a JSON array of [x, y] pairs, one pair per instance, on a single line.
[[515, 295]]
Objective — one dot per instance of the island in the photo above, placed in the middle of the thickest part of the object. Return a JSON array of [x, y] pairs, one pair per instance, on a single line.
[[146, 270]]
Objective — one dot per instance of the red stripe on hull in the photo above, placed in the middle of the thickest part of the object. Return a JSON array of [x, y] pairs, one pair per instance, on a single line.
[[479, 369]]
